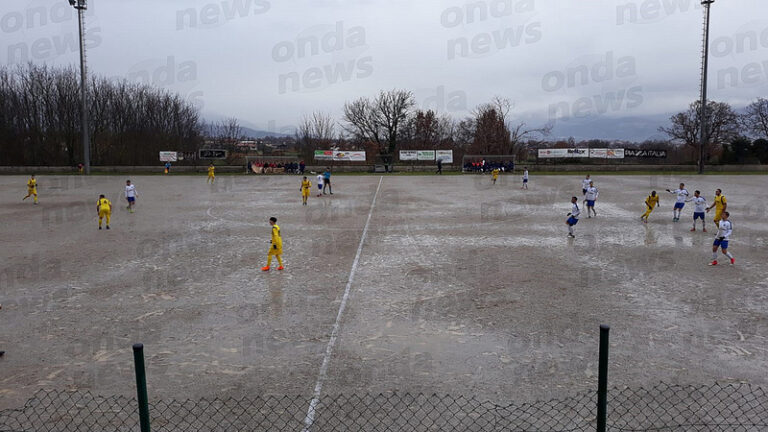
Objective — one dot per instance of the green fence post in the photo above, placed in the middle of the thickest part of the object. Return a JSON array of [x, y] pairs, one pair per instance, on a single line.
[[141, 386], [602, 379]]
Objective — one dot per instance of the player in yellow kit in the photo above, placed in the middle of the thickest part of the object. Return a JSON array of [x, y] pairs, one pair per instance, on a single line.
[[495, 174], [306, 185], [275, 246], [720, 205], [650, 203], [211, 174], [104, 209], [31, 188]]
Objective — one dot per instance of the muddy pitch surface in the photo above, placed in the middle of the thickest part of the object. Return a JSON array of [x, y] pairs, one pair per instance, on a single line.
[[460, 287]]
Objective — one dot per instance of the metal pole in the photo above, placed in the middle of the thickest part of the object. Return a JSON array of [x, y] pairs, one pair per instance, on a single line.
[[602, 379], [141, 386], [81, 6], [704, 66]]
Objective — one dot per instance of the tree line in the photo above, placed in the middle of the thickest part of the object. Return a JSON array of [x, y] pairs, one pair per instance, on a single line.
[[389, 122], [130, 123]]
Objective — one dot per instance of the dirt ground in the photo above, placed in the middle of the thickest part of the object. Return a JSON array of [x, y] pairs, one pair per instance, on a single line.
[[461, 287]]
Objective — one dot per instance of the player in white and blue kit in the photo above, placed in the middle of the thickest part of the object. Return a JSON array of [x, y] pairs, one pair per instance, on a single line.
[[591, 196], [525, 178], [584, 185], [682, 195], [699, 210], [573, 216], [721, 239]]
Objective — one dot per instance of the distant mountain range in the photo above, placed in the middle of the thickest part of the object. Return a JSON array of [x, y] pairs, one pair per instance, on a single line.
[[256, 133], [638, 128]]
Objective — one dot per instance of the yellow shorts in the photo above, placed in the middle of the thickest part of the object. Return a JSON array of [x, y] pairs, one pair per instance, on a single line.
[[718, 216], [305, 192], [104, 213], [273, 251]]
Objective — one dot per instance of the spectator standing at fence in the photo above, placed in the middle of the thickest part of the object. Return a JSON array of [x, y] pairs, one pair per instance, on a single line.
[[439, 166], [302, 167], [525, 178], [327, 181]]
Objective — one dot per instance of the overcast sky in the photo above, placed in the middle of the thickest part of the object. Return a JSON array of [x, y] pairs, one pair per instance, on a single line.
[[269, 62]]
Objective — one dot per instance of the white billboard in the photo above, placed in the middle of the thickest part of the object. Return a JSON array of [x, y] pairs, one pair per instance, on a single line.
[[444, 155], [426, 155], [409, 155], [606, 153], [168, 156], [563, 153]]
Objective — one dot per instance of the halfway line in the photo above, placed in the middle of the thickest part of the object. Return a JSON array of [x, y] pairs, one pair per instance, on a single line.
[[309, 420]]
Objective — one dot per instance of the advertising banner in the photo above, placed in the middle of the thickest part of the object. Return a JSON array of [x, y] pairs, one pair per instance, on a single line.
[[340, 155], [426, 155], [444, 155], [655, 154], [350, 156], [606, 153], [577, 153], [168, 156], [408, 155], [563, 153]]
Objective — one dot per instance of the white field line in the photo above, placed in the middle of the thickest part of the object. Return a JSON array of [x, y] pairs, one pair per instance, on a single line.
[[309, 420]]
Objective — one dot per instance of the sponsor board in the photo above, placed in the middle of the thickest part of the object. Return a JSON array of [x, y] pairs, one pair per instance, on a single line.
[[168, 156], [340, 155]]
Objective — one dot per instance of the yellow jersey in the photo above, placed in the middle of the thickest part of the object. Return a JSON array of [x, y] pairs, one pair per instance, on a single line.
[[306, 184], [210, 170], [31, 183], [495, 172], [104, 205], [276, 239], [651, 201], [720, 202]]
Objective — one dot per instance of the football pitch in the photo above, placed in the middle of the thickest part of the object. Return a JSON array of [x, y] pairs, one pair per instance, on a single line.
[[411, 283]]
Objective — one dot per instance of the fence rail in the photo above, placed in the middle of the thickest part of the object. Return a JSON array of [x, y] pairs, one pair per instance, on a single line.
[[665, 407]]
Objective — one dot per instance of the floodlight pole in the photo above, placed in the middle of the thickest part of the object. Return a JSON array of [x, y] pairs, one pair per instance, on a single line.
[[704, 65], [81, 7]]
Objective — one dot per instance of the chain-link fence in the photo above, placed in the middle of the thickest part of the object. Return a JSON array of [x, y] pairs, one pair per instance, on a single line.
[[739, 407]]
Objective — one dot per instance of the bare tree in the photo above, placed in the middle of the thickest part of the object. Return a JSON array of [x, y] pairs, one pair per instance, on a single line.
[[379, 120], [722, 126], [315, 132], [519, 133], [755, 118]]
